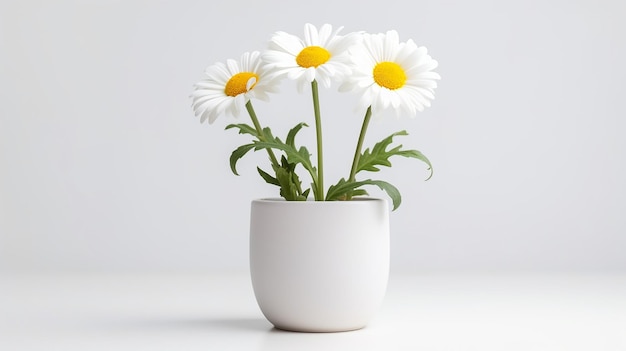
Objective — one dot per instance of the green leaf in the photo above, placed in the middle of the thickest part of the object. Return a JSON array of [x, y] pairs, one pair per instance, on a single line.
[[305, 193], [267, 134], [391, 191], [420, 156], [343, 188], [290, 185], [286, 165], [358, 192], [286, 177], [243, 129], [244, 149], [267, 177], [287, 180], [238, 154], [291, 136], [379, 155], [294, 156]]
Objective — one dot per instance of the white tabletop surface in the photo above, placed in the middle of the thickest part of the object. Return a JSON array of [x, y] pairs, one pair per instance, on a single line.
[[218, 312]]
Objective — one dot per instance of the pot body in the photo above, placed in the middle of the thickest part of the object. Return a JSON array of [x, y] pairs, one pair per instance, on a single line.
[[319, 266]]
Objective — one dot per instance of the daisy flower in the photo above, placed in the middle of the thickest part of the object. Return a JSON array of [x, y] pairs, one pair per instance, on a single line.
[[388, 73], [228, 87], [321, 55]]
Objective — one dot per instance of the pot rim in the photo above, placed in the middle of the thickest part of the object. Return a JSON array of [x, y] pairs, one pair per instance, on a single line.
[[310, 202]]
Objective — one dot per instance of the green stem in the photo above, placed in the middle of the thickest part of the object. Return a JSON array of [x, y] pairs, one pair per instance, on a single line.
[[319, 194], [359, 144], [259, 131]]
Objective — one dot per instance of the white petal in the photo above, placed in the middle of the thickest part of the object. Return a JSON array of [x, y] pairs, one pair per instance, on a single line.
[[250, 83], [310, 74], [287, 43], [325, 35], [233, 67], [310, 35]]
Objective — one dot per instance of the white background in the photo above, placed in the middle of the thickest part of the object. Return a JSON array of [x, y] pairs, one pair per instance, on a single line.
[[104, 168]]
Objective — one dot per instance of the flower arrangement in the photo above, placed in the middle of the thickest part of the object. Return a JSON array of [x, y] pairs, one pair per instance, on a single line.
[[384, 72]]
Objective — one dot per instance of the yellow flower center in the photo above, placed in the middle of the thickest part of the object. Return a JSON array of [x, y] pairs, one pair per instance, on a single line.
[[312, 56], [238, 83], [389, 75]]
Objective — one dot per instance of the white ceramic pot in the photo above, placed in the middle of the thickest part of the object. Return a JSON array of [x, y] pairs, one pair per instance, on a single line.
[[319, 266]]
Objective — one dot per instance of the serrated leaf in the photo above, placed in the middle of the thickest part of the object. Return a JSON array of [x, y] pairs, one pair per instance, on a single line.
[[379, 155], [243, 129], [267, 134], [286, 165], [343, 187], [237, 154], [359, 192], [291, 136], [294, 156], [290, 185], [341, 190], [391, 191], [420, 156], [267, 177]]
